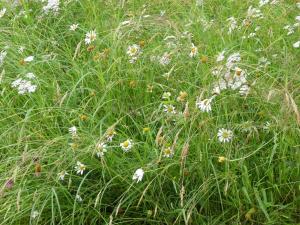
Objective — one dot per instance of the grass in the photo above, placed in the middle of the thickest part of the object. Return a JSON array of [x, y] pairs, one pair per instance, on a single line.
[[96, 89]]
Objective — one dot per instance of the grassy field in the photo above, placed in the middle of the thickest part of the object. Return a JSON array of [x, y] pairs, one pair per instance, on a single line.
[[150, 112]]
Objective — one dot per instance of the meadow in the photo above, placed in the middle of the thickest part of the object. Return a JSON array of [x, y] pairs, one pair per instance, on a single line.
[[150, 112]]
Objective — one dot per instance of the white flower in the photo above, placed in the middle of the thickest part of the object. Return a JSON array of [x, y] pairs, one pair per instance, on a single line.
[[225, 135], [233, 59], [80, 168], [126, 145], [169, 109], [133, 50], [194, 51], [73, 27], [168, 152], [254, 13], [78, 198], [23, 86], [232, 24], [101, 149], [296, 44], [166, 95], [138, 175], [297, 18], [110, 134], [244, 90], [90, 37], [35, 214], [263, 2], [62, 174], [2, 12], [73, 131], [2, 56], [30, 76], [29, 59], [52, 5], [165, 59], [221, 56], [204, 105]]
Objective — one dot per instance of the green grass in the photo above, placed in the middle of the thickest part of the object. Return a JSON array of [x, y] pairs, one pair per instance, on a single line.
[[257, 183]]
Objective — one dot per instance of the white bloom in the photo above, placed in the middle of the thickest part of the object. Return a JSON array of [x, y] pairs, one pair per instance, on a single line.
[[169, 109], [30, 76], [165, 59], [29, 59], [233, 59], [166, 95], [221, 56], [194, 51], [244, 90], [290, 29], [138, 175], [73, 131], [73, 27], [297, 18], [101, 149], [204, 105], [225, 135], [90, 37], [133, 50], [35, 214], [126, 145], [2, 56], [110, 134], [78, 198], [80, 168], [52, 5], [23, 86], [263, 2], [254, 13], [296, 44], [168, 152], [2, 12], [232, 24], [62, 174]]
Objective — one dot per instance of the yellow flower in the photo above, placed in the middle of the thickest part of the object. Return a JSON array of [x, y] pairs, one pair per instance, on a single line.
[[146, 129], [222, 159]]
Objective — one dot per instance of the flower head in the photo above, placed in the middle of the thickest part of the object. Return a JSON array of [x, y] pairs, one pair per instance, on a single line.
[[73, 27], [168, 152], [62, 174], [126, 145], [169, 109], [204, 105], [80, 168], [194, 51], [101, 149], [138, 175], [90, 37], [225, 135]]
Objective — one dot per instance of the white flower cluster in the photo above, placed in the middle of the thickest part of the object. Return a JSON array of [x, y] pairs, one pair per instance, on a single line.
[[52, 5], [25, 85], [230, 75], [133, 51]]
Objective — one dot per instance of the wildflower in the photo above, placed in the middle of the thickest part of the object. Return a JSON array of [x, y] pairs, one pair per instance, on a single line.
[[90, 37], [221, 56], [52, 5], [73, 27], [169, 109], [204, 59], [73, 131], [296, 44], [166, 95], [9, 184], [138, 175], [35, 214], [221, 159], [62, 174], [133, 50], [165, 59], [110, 134], [28, 59], [232, 24], [225, 135], [168, 152], [78, 198], [30, 76], [126, 145], [263, 2], [244, 90], [182, 96], [23, 86], [254, 13], [204, 105], [194, 51], [233, 59], [146, 130], [2, 12], [101, 149], [2, 56], [80, 168]]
